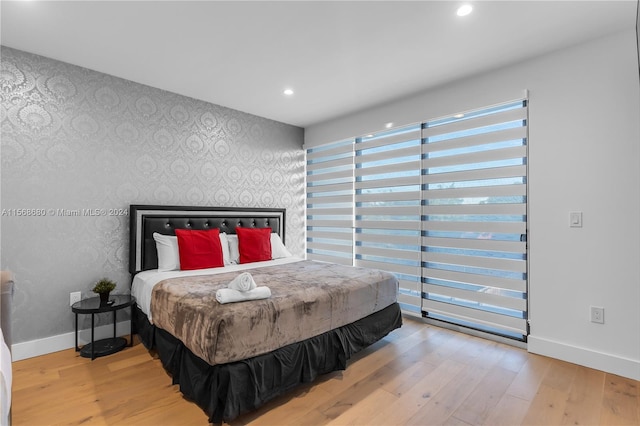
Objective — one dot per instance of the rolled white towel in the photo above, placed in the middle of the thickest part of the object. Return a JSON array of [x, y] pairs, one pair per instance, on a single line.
[[229, 295], [243, 282]]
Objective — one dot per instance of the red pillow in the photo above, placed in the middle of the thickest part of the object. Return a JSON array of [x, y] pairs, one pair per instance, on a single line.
[[199, 249], [254, 244]]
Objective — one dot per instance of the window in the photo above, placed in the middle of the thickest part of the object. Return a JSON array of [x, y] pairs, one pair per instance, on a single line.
[[442, 205], [330, 203], [474, 220], [387, 208]]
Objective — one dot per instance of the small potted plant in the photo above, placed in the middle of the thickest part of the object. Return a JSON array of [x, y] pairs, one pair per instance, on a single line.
[[103, 288]]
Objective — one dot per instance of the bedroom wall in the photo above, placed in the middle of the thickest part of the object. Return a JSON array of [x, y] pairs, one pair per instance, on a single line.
[[75, 139], [584, 155]]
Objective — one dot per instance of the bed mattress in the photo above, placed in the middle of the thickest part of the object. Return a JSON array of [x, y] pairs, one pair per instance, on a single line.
[[308, 298]]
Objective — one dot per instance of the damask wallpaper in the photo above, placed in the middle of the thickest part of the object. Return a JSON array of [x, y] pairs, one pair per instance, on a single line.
[[79, 146]]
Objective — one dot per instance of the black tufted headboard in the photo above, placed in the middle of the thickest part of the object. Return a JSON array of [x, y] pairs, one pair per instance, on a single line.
[[147, 219]]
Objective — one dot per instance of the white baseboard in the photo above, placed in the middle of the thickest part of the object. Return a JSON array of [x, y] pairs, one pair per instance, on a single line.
[[599, 360], [609, 363], [61, 342]]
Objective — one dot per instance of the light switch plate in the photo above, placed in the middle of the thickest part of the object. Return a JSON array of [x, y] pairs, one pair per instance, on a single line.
[[575, 219]]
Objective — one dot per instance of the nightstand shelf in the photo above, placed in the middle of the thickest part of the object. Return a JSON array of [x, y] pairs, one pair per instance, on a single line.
[[94, 306]]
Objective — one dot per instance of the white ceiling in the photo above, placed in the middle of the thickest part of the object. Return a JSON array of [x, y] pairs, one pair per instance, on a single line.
[[338, 56]]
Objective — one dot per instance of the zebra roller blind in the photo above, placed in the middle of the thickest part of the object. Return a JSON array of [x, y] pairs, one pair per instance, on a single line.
[[442, 204], [387, 207], [330, 203], [474, 223]]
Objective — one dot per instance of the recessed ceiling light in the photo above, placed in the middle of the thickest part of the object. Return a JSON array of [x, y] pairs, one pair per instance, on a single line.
[[388, 125], [464, 10], [288, 92], [458, 116]]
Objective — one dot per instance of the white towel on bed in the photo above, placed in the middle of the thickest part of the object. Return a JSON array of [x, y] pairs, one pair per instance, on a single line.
[[243, 282], [229, 295]]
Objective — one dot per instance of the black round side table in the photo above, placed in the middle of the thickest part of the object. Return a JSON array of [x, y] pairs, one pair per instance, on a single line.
[[94, 306]]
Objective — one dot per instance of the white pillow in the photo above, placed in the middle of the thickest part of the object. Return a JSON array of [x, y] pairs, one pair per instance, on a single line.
[[278, 249], [234, 251], [168, 255], [224, 242]]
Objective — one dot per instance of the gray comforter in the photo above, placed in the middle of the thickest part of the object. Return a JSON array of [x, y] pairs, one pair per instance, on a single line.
[[307, 299]]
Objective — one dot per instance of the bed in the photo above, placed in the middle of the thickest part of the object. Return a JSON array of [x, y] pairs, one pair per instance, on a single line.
[[232, 358]]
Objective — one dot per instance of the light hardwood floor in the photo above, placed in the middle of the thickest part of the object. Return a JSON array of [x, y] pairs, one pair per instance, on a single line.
[[418, 375]]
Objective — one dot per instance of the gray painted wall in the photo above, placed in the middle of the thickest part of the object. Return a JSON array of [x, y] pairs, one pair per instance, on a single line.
[[75, 139]]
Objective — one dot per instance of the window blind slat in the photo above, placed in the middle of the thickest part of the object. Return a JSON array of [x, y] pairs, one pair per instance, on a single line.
[[409, 299], [476, 192], [390, 139], [480, 121], [390, 267], [406, 240], [389, 252], [388, 168], [320, 200], [475, 209], [332, 163], [483, 227], [333, 211], [390, 182], [478, 174], [476, 157], [340, 236], [330, 188], [389, 210], [484, 296], [327, 154], [477, 139], [476, 279], [329, 223], [513, 265], [332, 259], [386, 155], [489, 319], [333, 247], [476, 244], [386, 196], [389, 224], [316, 177]]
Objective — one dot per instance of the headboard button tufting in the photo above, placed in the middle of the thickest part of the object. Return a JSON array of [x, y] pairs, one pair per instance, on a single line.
[[165, 220]]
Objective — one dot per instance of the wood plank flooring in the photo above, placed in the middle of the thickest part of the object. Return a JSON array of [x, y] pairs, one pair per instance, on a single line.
[[418, 375]]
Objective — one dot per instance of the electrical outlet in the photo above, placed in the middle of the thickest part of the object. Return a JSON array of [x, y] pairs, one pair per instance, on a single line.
[[74, 297], [575, 219], [597, 314]]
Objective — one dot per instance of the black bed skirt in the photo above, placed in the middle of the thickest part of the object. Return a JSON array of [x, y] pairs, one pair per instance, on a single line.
[[228, 390]]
